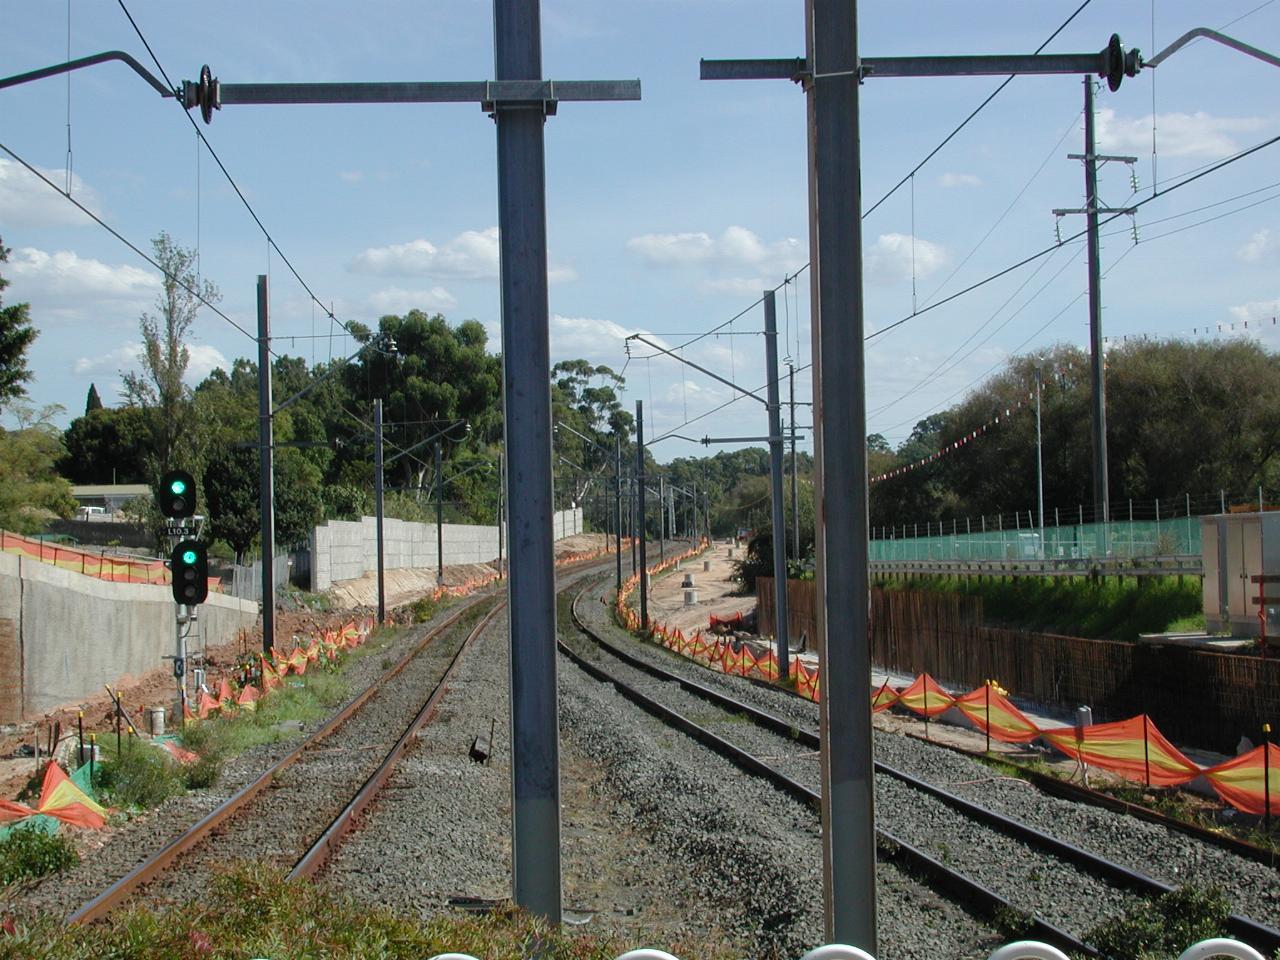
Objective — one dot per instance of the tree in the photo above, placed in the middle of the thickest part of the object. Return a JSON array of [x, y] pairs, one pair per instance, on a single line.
[[92, 402], [16, 335], [30, 489], [437, 374], [159, 389], [107, 445], [584, 398]]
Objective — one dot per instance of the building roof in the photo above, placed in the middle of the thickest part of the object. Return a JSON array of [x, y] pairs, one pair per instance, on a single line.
[[110, 490]]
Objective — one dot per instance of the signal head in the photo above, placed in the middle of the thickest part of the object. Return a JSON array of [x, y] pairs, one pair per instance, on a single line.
[[177, 495]]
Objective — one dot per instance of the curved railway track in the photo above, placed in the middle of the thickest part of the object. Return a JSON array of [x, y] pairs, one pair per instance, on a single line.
[[783, 752]]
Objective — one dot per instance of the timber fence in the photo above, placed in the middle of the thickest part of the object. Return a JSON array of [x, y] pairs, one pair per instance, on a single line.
[[1197, 697]]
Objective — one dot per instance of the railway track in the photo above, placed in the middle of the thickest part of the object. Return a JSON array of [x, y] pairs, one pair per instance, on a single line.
[[328, 779], [1002, 867]]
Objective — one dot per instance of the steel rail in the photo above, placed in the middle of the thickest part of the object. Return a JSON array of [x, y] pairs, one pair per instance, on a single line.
[[890, 846], [1257, 934], [157, 863], [328, 842]]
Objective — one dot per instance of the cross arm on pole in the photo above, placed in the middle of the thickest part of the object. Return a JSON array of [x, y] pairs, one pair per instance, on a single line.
[[700, 369], [209, 93], [1112, 62]]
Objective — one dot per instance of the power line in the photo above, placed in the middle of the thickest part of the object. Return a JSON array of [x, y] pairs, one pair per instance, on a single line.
[[227, 174], [1076, 236], [128, 243], [976, 110], [1041, 329], [932, 153]]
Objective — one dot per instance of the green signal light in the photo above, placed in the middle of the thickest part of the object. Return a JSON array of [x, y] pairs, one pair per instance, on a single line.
[[188, 556], [178, 486]]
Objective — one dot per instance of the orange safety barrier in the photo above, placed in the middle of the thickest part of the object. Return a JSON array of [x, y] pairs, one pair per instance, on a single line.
[[60, 799], [101, 566], [1131, 748]]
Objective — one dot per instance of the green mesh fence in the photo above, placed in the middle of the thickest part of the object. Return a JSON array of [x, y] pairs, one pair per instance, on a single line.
[[1124, 539]]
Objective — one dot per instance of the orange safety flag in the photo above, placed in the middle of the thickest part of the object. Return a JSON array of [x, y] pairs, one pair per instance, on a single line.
[[313, 652], [177, 752], [298, 661], [186, 711], [925, 697], [13, 810], [248, 699], [1240, 780], [883, 698], [1120, 748], [63, 800], [225, 694], [1007, 722], [270, 679], [206, 705]]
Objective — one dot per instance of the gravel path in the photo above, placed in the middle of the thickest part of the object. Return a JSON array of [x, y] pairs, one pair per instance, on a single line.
[[312, 790], [1033, 880]]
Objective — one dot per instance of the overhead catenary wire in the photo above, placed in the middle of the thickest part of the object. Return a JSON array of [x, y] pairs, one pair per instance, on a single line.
[[126, 241], [1213, 168], [271, 242]]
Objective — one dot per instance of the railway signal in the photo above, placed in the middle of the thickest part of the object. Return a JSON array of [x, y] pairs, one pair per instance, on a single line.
[[177, 495], [189, 565]]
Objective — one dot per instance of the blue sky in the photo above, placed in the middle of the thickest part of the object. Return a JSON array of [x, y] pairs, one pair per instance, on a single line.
[[667, 216]]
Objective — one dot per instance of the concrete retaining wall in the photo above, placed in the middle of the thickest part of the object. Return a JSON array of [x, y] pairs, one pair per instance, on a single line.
[[347, 549], [63, 635]]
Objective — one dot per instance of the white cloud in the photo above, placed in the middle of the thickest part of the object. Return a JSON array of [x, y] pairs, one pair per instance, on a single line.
[[399, 301], [736, 246], [27, 202], [124, 357], [889, 259], [1196, 135], [204, 360], [127, 358], [588, 337], [1256, 310], [471, 255], [1261, 245], [351, 176], [950, 180], [65, 278]]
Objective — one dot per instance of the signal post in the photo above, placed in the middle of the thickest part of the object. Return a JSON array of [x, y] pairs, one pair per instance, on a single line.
[[188, 567]]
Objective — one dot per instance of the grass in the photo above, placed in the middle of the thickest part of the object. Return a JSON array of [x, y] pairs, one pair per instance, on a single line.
[[1112, 608], [302, 700], [252, 911], [27, 853]]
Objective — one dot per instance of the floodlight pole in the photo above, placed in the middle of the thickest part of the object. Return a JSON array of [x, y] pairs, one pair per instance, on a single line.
[[830, 73], [780, 623], [617, 504], [377, 507], [266, 469], [795, 475], [640, 524]]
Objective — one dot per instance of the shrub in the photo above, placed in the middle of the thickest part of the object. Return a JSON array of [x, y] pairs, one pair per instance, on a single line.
[[27, 853], [1162, 928], [139, 777]]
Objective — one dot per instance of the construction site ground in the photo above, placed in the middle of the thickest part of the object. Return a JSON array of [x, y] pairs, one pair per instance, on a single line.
[[718, 589]]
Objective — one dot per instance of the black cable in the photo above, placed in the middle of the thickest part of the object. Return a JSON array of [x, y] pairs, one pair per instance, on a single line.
[[914, 170], [965, 122], [1076, 236], [128, 243], [226, 173]]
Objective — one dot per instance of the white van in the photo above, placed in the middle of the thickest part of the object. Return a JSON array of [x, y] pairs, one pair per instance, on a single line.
[[90, 513]]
